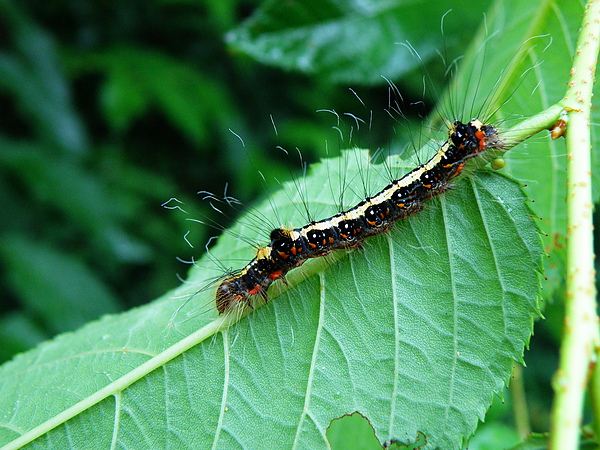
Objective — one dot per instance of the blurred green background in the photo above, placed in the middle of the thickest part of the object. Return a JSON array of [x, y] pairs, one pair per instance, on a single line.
[[110, 108]]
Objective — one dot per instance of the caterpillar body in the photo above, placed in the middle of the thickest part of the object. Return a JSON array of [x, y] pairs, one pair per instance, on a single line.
[[289, 248]]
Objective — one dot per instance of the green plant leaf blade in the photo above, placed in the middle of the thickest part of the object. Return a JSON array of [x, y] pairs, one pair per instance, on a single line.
[[354, 42], [416, 331]]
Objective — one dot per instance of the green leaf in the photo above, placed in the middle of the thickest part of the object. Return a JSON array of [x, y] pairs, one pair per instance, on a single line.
[[352, 431], [493, 436], [416, 332], [354, 42]]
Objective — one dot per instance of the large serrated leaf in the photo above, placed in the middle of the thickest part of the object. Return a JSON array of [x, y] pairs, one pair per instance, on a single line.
[[353, 42], [416, 331]]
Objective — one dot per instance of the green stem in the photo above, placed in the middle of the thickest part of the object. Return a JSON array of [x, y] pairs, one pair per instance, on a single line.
[[580, 336], [531, 126], [517, 390], [595, 397], [520, 133]]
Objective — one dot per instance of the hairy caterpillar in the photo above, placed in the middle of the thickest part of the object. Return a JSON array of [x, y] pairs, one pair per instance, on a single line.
[[375, 215], [290, 247]]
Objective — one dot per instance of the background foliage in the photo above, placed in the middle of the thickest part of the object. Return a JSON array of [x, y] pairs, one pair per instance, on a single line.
[[111, 109]]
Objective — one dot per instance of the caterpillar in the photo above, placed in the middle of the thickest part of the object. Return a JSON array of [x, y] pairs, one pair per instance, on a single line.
[[289, 248]]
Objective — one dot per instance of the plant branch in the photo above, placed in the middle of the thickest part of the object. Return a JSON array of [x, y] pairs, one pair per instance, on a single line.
[[580, 336], [517, 390]]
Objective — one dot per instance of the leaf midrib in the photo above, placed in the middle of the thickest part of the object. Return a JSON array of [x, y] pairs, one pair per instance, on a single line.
[[121, 383]]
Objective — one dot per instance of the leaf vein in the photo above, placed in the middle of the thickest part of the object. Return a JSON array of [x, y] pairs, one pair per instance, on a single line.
[[313, 362]]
